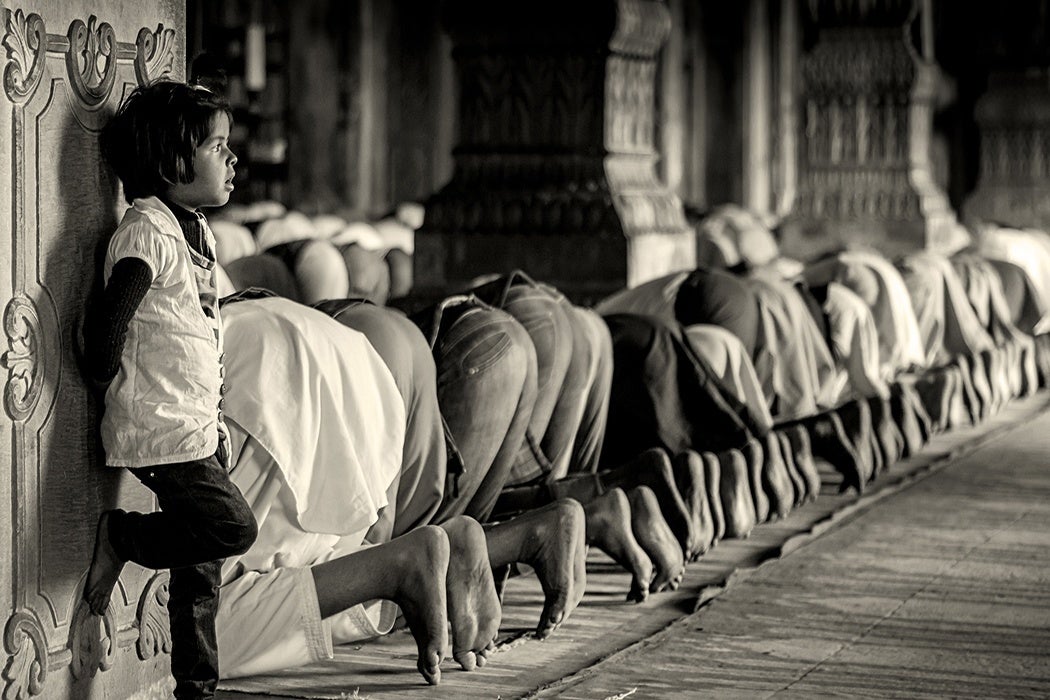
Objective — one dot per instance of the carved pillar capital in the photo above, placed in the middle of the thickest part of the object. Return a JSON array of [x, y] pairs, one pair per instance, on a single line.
[[555, 164], [865, 175], [1014, 120], [861, 13]]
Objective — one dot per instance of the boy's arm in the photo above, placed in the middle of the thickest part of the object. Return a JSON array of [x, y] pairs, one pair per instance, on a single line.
[[106, 325]]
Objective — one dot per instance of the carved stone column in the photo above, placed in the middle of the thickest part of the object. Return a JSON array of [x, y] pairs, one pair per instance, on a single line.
[[64, 71], [1014, 121], [864, 170], [555, 163]]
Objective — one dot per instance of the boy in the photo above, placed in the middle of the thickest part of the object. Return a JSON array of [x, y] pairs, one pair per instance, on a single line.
[[155, 338]]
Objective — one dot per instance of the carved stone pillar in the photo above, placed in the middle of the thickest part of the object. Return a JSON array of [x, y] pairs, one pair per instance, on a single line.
[[65, 70], [555, 163], [1013, 187], [864, 170]]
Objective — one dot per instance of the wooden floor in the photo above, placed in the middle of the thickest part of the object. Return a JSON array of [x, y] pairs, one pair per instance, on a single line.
[[586, 655], [941, 591]]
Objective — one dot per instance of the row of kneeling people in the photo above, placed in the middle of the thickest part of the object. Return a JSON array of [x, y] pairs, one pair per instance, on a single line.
[[506, 424], [314, 258]]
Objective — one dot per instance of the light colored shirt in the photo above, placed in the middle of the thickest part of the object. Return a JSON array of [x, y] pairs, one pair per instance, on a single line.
[[855, 340], [163, 405], [321, 401]]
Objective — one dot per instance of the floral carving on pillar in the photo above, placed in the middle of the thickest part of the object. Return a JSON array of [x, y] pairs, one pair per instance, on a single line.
[[26, 668], [154, 53], [154, 630], [26, 44], [91, 60], [23, 359], [93, 642]]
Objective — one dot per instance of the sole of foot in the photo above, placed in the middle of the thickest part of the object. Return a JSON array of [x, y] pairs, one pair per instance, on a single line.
[[473, 607], [656, 538], [609, 529]]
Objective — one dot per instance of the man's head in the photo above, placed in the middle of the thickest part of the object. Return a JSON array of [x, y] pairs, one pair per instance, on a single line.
[[170, 139]]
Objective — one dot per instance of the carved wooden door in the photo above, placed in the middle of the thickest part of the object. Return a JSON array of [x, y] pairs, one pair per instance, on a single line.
[[66, 65]]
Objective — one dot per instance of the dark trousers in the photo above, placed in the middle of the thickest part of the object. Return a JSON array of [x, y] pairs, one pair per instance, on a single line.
[[203, 519]]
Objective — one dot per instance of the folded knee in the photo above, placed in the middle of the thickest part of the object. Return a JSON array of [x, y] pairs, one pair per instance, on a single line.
[[235, 534]]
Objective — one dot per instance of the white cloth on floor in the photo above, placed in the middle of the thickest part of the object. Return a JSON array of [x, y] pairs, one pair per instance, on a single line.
[[321, 401]]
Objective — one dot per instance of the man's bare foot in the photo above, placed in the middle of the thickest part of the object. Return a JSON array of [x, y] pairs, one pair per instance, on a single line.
[[914, 428], [473, 606], [829, 442], [553, 541], [609, 529], [775, 478], [935, 389], [977, 393], [754, 458], [422, 598], [887, 435], [856, 421], [104, 570], [689, 477], [738, 506], [412, 571], [652, 468], [656, 539], [797, 480], [802, 454], [712, 479]]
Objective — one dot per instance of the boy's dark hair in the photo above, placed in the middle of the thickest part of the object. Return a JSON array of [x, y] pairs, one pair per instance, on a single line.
[[150, 141]]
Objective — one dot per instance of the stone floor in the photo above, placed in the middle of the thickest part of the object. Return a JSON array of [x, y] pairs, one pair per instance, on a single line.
[[933, 583]]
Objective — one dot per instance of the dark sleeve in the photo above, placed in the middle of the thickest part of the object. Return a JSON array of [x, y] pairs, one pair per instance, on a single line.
[[106, 325]]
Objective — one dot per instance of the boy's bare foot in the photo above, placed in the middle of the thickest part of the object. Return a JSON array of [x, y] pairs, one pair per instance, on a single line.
[[473, 606], [737, 504], [553, 541], [712, 474], [656, 538], [104, 570], [690, 480], [652, 468], [609, 529], [754, 457]]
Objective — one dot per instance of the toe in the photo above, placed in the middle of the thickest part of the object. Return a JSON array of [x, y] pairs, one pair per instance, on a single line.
[[466, 660]]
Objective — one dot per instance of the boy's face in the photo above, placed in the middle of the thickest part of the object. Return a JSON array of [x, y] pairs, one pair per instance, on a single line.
[[213, 163]]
